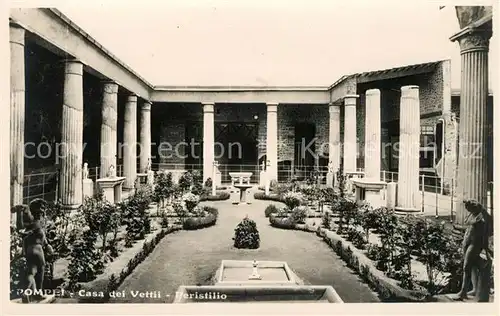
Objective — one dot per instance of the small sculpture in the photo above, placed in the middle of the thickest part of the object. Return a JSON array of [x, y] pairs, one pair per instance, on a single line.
[[35, 246], [85, 171], [255, 273], [330, 167], [111, 172], [148, 166], [477, 257], [263, 165]]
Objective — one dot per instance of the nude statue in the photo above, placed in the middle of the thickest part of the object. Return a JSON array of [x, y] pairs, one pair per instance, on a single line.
[[35, 246], [475, 250], [85, 171]]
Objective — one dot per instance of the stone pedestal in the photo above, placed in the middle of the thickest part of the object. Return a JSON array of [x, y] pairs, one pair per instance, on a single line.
[[208, 139], [409, 151], [145, 136], [390, 195], [109, 127], [130, 142], [334, 141], [112, 188], [17, 109], [472, 159], [330, 179], [272, 141], [88, 188], [262, 178], [72, 136], [350, 140], [369, 191]]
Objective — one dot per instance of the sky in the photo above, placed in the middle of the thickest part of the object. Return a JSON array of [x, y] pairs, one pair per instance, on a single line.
[[293, 43]]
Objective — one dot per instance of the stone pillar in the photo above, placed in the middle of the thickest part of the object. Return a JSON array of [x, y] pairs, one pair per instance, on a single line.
[[108, 127], [409, 150], [334, 143], [72, 136], [472, 161], [130, 143], [272, 141], [350, 140], [17, 100], [145, 134], [208, 140], [372, 135]]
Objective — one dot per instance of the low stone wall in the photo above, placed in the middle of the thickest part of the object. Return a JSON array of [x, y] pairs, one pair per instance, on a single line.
[[388, 288]]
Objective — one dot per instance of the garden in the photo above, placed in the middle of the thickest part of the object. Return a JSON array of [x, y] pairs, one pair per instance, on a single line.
[[405, 258], [97, 246]]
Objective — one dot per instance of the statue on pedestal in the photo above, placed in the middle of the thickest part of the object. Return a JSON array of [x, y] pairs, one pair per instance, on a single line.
[[85, 171], [477, 255], [148, 166], [111, 172], [35, 246]]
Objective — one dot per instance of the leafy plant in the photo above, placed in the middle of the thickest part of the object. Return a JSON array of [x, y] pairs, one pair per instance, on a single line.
[[326, 220], [299, 214], [270, 209], [185, 181], [17, 262], [246, 235], [357, 237], [293, 199], [208, 183]]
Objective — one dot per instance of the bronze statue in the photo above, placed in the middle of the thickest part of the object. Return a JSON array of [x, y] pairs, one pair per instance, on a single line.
[[477, 256], [34, 247]]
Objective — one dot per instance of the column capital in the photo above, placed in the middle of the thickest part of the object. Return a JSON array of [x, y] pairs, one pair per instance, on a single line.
[[146, 105], [409, 91], [333, 108], [272, 106], [372, 92], [17, 33], [73, 66], [350, 99], [208, 107], [132, 98], [110, 86]]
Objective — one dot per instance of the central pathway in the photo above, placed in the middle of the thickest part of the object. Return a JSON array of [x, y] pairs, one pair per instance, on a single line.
[[192, 257]]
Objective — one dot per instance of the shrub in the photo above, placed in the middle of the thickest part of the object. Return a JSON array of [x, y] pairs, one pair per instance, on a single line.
[[270, 209], [185, 181], [263, 196], [208, 183], [219, 196], [281, 222], [163, 189], [135, 215], [180, 210], [326, 220], [193, 223], [357, 237], [299, 214], [246, 235], [17, 262], [190, 201], [293, 199], [164, 221]]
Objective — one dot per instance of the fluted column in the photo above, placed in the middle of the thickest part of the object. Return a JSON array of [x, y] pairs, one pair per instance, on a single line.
[[272, 141], [108, 127], [350, 140], [372, 135], [72, 135], [130, 143], [17, 106], [145, 134], [334, 137], [208, 140], [409, 150], [472, 161]]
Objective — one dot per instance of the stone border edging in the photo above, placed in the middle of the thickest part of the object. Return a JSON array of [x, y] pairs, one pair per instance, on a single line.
[[103, 283], [387, 287]]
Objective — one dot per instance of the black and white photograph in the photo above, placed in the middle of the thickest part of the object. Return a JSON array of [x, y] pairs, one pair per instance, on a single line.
[[187, 152]]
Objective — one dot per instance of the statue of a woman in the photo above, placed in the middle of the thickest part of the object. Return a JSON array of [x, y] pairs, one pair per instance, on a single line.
[[476, 253], [34, 247], [85, 171]]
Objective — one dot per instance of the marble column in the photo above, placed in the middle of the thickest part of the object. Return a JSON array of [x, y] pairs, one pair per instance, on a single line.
[[272, 141], [208, 140], [72, 136], [17, 106], [350, 140], [109, 127], [372, 135], [145, 135], [472, 161], [130, 143], [334, 137], [409, 150]]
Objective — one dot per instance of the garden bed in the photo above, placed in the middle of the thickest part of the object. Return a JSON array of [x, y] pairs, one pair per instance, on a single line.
[[219, 196]]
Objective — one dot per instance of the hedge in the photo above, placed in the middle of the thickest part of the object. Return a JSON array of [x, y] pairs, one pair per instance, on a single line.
[[263, 196], [219, 196]]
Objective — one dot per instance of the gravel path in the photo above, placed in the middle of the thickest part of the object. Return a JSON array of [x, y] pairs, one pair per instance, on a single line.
[[192, 257]]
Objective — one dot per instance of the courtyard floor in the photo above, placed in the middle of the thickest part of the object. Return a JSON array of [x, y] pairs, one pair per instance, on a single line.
[[192, 257]]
